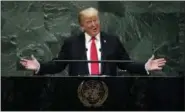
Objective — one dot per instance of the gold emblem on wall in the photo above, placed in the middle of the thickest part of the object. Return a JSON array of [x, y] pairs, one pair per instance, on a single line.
[[92, 93]]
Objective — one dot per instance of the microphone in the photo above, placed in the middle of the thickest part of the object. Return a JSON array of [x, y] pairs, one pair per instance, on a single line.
[[100, 49]]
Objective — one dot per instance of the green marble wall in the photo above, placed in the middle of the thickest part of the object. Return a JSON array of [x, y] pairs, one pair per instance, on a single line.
[[39, 28]]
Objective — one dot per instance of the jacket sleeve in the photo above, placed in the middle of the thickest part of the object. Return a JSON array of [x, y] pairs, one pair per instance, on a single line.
[[52, 66], [132, 67]]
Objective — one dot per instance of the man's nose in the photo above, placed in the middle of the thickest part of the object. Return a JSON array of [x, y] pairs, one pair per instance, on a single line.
[[93, 23]]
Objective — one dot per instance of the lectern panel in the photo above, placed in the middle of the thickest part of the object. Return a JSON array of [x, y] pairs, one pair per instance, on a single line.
[[92, 93]]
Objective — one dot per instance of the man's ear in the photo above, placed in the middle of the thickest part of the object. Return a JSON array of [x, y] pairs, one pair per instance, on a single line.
[[81, 26], [82, 29]]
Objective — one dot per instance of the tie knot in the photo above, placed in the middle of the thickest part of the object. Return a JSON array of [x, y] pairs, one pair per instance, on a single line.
[[93, 38]]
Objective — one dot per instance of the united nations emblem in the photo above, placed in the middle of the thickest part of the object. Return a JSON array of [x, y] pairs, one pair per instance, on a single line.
[[92, 93]]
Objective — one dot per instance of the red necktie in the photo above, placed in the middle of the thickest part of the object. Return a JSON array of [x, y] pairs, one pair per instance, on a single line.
[[94, 57]]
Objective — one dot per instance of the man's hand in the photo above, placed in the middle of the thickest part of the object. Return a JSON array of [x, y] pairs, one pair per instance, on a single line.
[[155, 64], [32, 64]]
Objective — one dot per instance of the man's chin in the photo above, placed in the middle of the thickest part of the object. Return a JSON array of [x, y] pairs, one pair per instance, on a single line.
[[95, 33]]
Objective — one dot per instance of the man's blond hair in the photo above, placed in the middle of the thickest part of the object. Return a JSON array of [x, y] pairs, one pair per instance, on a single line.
[[89, 12]]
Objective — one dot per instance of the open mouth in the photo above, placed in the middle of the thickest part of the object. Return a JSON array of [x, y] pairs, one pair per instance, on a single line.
[[94, 29]]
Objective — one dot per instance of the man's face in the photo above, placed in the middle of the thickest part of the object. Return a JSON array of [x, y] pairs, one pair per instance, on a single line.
[[91, 24]]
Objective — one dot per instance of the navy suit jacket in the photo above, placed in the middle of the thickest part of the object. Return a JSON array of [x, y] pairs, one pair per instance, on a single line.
[[74, 49]]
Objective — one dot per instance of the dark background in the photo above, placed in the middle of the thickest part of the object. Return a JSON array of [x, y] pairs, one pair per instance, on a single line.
[[39, 28]]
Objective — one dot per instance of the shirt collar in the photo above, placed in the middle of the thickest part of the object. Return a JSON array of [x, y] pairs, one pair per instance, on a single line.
[[88, 37]]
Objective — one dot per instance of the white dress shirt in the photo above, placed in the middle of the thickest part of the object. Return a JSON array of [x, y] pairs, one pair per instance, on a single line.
[[88, 42]]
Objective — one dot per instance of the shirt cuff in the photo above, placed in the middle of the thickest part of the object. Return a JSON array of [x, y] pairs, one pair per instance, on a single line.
[[147, 71], [38, 69]]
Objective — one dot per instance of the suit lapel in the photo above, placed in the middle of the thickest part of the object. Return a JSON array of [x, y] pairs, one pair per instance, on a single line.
[[82, 50], [103, 51]]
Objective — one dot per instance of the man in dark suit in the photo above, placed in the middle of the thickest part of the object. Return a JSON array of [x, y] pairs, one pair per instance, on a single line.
[[92, 44]]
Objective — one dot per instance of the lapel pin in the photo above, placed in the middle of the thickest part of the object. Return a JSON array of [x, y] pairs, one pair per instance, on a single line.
[[104, 41]]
